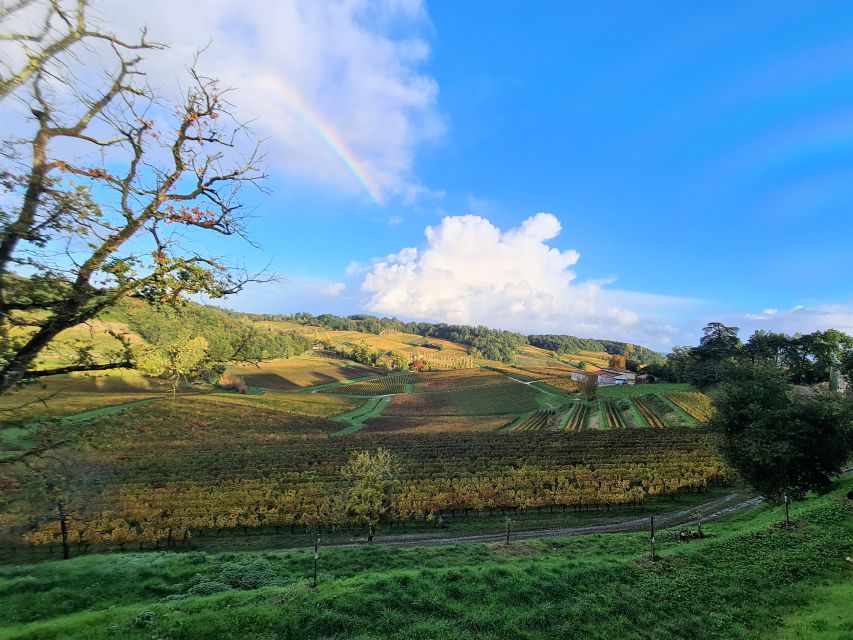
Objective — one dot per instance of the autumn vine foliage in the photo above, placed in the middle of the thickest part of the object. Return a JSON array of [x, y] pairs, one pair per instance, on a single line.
[[149, 177], [228, 481]]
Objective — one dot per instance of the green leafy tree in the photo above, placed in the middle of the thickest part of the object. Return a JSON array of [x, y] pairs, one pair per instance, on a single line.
[[779, 445], [181, 358]]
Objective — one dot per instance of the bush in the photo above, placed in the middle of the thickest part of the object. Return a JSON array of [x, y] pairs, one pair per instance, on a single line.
[[248, 574], [230, 380], [207, 588], [144, 618]]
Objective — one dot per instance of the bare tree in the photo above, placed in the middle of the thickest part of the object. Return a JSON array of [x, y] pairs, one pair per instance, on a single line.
[[111, 189]]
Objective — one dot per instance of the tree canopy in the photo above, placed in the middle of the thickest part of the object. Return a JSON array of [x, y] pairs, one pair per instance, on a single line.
[[779, 444]]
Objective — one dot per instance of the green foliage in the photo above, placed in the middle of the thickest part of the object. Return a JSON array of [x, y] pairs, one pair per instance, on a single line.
[[804, 359], [229, 337], [571, 344], [780, 445], [370, 480]]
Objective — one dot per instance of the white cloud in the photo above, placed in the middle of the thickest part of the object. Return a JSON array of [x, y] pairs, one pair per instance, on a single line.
[[353, 68], [333, 289], [395, 220], [802, 319], [472, 272]]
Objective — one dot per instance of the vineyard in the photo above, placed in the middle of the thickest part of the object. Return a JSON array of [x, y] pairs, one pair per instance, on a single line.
[[695, 404], [577, 419], [294, 482], [612, 415], [647, 412], [564, 384], [478, 441], [536, 421], [389, 385]]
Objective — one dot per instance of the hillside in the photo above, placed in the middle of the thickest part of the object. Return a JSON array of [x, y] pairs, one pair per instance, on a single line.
[[328, 439]]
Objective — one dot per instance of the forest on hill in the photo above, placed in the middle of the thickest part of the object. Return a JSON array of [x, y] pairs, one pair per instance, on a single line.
[[485, 342]]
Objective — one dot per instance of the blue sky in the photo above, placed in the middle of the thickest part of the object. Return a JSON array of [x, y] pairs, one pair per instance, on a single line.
[[697, 157]]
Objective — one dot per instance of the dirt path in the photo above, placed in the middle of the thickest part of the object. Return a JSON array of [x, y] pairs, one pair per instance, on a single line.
[[711, 510]]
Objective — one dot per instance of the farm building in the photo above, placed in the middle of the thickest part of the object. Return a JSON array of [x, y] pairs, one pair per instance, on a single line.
[[607, 376]]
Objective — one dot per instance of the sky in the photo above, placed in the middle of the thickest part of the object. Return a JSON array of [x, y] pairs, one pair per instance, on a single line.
[[617, 170]]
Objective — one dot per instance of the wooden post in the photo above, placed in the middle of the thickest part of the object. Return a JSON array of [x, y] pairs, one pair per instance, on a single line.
[[787, 518], [508, 524], [653, 541], [316, 557], [63, 528]]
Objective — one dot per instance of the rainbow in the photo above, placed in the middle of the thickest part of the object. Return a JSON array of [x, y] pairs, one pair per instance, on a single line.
[[327, 134]]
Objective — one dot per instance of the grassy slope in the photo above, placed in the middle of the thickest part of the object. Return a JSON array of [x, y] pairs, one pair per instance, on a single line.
[[744, 581]]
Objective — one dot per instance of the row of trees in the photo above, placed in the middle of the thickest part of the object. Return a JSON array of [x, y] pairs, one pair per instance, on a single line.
[[229, 338], [380, 359], [811, 358], [493, 344], [635, 356]]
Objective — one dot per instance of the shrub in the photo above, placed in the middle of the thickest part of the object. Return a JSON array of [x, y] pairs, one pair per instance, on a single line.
[[230, 380], [250, 573], [144, 618], [207, 588]]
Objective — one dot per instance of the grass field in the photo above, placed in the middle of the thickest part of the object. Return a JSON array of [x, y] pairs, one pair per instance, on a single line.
[[748, 580]]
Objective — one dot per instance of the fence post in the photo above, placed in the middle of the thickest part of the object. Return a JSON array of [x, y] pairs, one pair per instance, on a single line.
[[508, 521], [316, 557], [787, 518], [653, 541]]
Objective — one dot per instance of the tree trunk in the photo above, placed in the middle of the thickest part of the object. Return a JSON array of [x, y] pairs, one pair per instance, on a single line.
[[63, 528]]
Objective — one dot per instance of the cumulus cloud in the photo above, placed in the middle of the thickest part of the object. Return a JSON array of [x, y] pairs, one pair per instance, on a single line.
[[337, 87], [472, 272]]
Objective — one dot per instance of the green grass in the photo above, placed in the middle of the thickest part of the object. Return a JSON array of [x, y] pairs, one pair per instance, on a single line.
[[748, 579], [356, 418], [826, 617]]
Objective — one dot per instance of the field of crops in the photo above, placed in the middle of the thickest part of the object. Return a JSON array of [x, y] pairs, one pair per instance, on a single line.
[[503, 399], [457, 379], [536, 421], [564, 384], [613, 418], [165, 478], [577, 419], [695, 404], [647, 411], [388, 385], [435, 424], [68, 395]]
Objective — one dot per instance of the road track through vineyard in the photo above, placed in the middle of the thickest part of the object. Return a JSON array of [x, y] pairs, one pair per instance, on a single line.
[[711, 510]]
